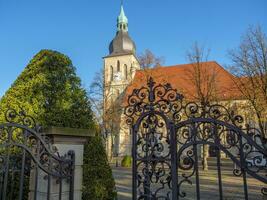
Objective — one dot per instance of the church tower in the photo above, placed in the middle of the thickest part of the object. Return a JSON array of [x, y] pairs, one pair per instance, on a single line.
[[119, 69], [121, 63]]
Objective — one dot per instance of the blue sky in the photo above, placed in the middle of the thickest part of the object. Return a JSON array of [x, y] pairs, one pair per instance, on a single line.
[[82, 29]]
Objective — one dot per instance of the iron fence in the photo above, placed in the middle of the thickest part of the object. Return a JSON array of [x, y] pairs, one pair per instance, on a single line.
[[30, 167], [168, 133]]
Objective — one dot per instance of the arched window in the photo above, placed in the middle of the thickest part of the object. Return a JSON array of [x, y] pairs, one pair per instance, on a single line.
[[118, 66], [111, 73], [125, 71]]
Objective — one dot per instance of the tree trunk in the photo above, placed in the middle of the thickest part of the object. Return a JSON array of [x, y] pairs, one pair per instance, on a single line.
[[205, 157]]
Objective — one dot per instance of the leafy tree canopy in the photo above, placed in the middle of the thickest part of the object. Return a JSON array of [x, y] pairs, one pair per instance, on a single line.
[[49, 90]]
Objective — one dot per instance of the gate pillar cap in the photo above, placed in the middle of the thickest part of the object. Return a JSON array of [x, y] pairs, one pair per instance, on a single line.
[[68, 135]]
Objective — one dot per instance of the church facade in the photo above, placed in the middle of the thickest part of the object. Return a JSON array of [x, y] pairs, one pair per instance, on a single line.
[[122, 74]]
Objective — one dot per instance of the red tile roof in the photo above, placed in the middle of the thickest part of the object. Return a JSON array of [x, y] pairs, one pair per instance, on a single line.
[[181, 78]]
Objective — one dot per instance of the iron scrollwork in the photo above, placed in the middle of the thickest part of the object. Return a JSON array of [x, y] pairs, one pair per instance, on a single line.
[[167, 132], [24, 150], [150, 110]]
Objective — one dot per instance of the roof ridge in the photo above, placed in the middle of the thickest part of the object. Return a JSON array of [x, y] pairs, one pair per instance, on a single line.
[[212, 61]]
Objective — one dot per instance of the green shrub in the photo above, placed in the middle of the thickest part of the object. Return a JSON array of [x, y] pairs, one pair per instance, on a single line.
[[49, 90], [126, 161], [98, 183]]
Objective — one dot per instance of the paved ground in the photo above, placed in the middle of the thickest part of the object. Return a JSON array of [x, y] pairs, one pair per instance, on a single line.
[[232, 186], [123, 178]]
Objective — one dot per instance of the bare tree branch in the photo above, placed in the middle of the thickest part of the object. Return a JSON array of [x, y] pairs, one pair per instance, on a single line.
[[250, 67], [203, 80], [149, 60], [106, 107]]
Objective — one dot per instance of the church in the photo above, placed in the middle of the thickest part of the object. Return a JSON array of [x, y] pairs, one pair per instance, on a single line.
[[123, 73]]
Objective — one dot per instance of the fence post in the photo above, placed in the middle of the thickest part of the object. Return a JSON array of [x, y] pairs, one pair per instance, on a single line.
[[65, 140]]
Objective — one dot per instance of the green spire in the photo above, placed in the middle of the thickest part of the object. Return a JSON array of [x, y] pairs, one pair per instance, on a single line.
[[122, 21]]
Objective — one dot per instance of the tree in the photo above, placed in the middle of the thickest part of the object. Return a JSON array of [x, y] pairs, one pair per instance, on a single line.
[[49, 90], [202, 78], [204, 81], [149, 60], [250, 67], [96, 96], [107, 109]]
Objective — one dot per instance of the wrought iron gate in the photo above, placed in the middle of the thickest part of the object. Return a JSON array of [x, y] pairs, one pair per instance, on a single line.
[[168, 134], [30, 168]]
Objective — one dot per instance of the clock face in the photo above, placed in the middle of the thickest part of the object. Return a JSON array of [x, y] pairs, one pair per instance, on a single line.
[[117, 76]]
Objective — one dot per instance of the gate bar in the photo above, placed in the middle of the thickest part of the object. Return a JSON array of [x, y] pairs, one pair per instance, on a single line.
[[242, 163], [174, 170], [196, 161], [36, 171], [218, 155], [49, 179], [6, 169], [22, 175], [134, 188], [72, 157]]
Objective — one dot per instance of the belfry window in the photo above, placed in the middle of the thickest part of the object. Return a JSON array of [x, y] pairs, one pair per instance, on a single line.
[[111, 73], [131, 69], [118, 66], [125, 71]]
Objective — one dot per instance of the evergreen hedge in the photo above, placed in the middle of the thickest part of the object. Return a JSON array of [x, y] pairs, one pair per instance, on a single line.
[[97, 175]]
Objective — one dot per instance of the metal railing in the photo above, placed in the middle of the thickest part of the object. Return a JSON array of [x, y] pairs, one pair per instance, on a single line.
[[167, 133], [30, 167]]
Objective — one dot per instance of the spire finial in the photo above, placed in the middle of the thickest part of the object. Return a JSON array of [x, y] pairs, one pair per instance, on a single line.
[[122, 21]]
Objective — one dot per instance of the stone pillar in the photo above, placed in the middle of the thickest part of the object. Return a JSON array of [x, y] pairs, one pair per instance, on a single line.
[[65, 140]]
